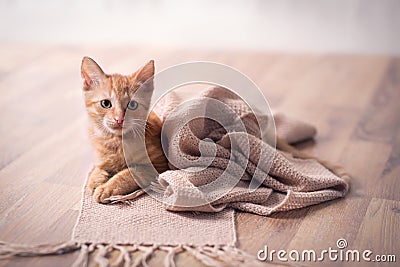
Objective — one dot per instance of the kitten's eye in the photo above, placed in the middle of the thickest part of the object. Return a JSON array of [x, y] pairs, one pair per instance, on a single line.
[[133, 105], [105, 103]]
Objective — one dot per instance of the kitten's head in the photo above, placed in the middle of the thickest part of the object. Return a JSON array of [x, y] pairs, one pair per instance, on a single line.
[[109, 96]]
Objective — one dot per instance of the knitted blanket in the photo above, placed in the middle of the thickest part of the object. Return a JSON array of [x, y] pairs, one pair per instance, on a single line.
[[287, 183]]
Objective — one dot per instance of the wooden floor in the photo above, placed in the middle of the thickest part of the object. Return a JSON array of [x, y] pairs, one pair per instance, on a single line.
[[353, 100]]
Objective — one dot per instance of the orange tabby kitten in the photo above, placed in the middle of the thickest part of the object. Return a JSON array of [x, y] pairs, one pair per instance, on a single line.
[[107, 98]]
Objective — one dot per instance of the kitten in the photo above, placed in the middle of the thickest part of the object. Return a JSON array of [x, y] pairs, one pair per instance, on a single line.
[[107, 99]]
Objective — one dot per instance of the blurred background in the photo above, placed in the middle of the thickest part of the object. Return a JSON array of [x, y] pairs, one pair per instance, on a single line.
[[351, 26]]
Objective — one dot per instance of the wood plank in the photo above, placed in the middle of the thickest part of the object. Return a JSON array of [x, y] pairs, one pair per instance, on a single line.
[[40, 108], [42, 162], [365, 161], [281, 76], [382, 116], [381, 122], [336, 79], [323, 96], [334, 128], [276, 231], [379, 231], [28, 217], [328, 222], [60, 261]]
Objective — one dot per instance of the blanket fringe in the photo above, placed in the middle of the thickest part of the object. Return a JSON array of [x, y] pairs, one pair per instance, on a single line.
[[222, 255], [126, 198]]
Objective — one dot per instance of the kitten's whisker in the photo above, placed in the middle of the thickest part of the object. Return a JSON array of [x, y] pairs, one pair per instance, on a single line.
[[138, 131]]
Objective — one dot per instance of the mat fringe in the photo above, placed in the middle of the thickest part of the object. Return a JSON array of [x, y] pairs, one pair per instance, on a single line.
[[222, 255]]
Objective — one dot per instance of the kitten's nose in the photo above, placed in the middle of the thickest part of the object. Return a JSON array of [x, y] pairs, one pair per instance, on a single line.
[[119, 120]]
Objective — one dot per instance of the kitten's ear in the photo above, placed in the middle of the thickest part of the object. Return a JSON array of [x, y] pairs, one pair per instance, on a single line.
[[91, 72], [145, 73]]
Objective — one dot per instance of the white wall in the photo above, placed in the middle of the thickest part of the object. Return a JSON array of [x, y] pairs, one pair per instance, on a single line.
[[353, 26]]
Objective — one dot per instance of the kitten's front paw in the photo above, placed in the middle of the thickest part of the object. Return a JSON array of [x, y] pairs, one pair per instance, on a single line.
[[101, 193], [92, 185]]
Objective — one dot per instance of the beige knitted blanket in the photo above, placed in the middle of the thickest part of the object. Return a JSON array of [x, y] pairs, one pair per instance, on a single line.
[[288, 183]]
